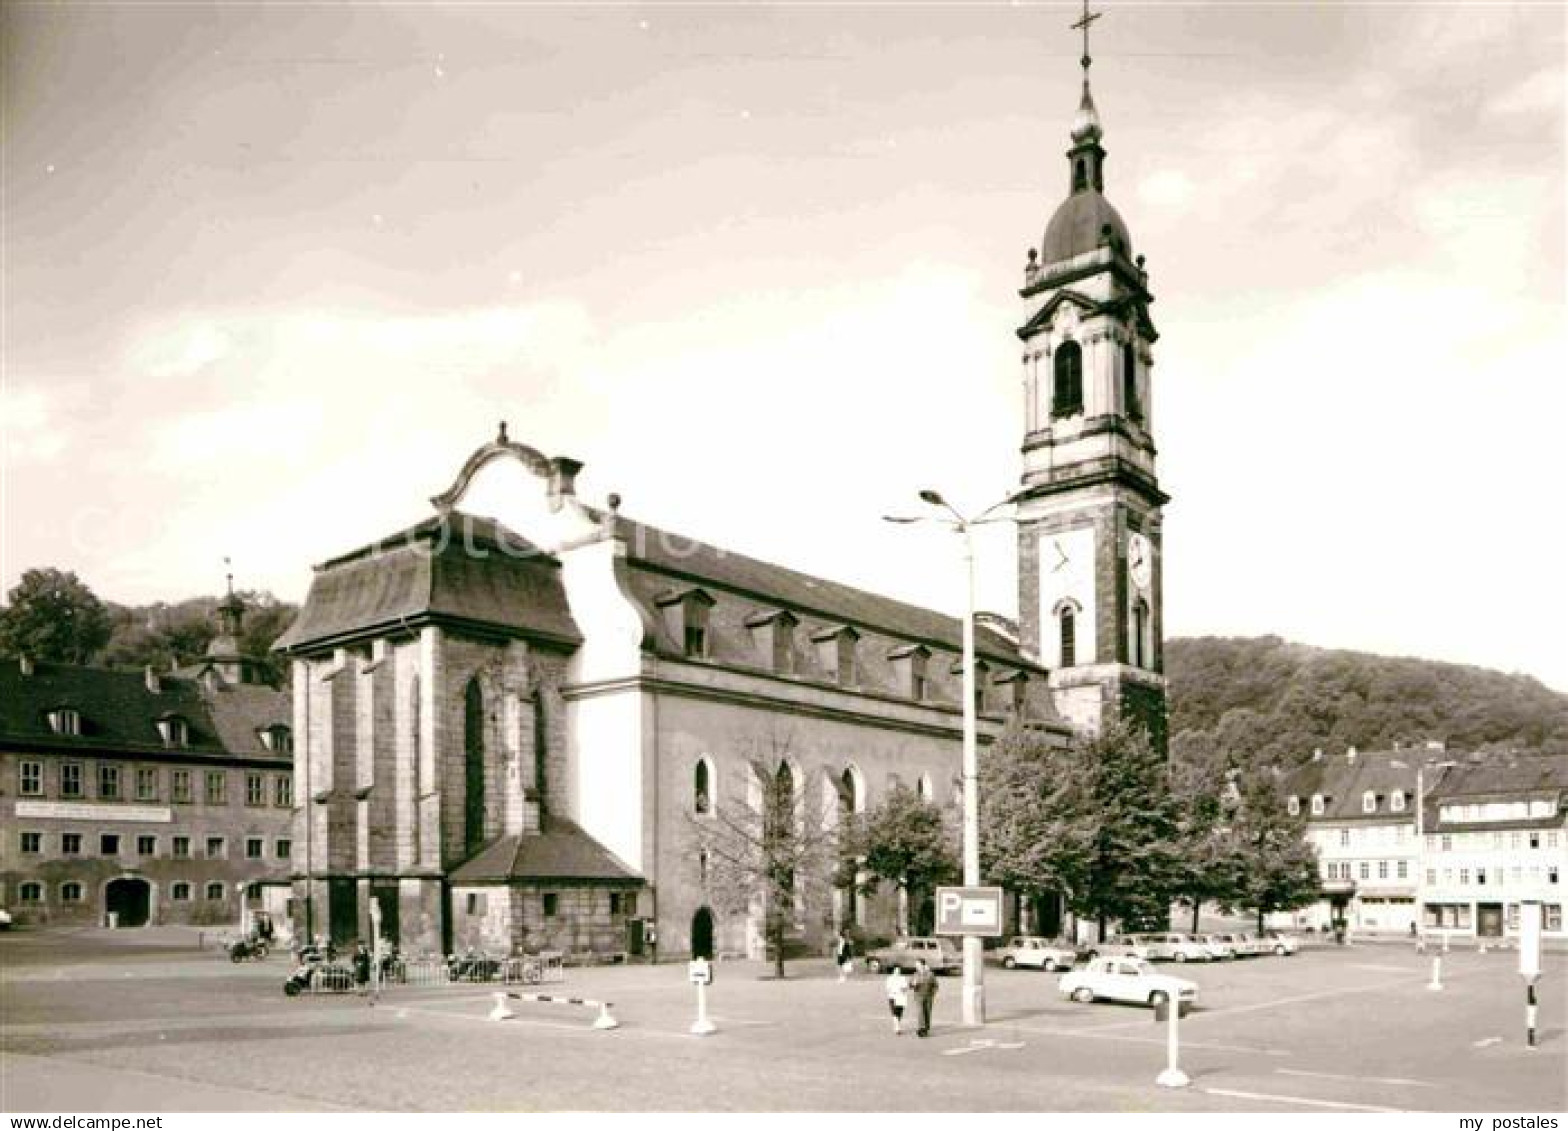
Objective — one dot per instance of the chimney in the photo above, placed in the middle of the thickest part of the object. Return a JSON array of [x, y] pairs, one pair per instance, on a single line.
[[27, 664], [153, 683], [1350, 755]]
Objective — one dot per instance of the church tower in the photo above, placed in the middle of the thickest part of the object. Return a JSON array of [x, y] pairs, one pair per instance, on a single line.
[[1090, 545]]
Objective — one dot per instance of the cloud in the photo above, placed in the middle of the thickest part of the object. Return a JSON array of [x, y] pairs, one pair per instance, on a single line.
[[1167, 188], [31, 426]]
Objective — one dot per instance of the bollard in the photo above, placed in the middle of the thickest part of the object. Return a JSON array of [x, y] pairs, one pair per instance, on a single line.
[[1437, 974], [703, 1025], [501, 1012], [1529, 1015], [1173, 1076]]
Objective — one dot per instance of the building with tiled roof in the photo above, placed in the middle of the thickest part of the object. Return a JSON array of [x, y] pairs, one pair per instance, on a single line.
[[1421, 838], [143, 797]]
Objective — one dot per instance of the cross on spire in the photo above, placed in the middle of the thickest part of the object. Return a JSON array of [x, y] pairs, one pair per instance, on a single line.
[[1088, 18]]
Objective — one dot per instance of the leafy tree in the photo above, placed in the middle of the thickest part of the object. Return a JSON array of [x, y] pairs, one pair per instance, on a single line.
[[1133, 866], [1277, 866], [1208, 868], [1037, 825], [771, 850], [53, 616], [906, 842]]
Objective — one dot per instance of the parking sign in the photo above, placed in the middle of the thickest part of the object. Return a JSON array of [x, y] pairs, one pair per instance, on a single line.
[[969, 911]]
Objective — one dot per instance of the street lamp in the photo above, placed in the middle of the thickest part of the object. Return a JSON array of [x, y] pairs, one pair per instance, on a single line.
[[974, 987]]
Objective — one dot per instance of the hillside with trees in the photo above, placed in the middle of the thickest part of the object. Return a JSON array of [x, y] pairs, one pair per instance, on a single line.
[[1265, 701]]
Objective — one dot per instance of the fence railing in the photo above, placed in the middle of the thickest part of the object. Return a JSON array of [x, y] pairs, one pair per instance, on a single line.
[[419, 971]]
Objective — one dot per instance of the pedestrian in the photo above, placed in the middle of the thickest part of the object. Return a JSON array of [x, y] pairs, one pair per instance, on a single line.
[[362, 966], [924, 985], [896, 987], [843, 957]]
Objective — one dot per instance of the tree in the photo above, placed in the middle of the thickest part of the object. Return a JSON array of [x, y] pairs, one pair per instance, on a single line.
[[1208, 867], [906, 842], [771, 850], [1133, 863], [1278, 867], [53, 616], [1037, 825]]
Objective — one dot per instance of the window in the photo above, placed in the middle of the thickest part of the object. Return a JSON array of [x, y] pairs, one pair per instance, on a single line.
[[1551, 840], [909, 669], [182, 847], [215, 848], [108, 782], [686, 618], [217, 787], [1317, 805], [1431, 877], [1067, 392], [1551, 874], [146, 846], [1369, 802], [1464, 875], [215, 890], [1293, 805], [1344, 838], [701, 788], [1067, 629], [146, 783], [71, 892], [836, 651], [32, 843], [32, 781], [917, 677], [278, 739], [283, 849], [1366, 870], [1382, 869], [1133, 409], [1141, 651], [1480, 875], [1396, 801], [551, 904], [180, 892], [65, 720], [108, 844], [1448, 843], [173, 731], [71, 779], [283, 791], [70, 844], [254, 846], [615, 903], [1403, 868], [31, 892], [475, 903], [180, 786], [255, 790]]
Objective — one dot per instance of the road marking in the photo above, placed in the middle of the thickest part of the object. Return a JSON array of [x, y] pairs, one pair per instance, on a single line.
[[1481, 1044], [1299, 1100], [1097, 1034], [1277, 1002], [1361, 1079], [981, 1045], [1381, 969]]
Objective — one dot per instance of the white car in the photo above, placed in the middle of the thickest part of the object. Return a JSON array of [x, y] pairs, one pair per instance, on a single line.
[[1126, 979], [1041, 954], [1251, 946], [1176, 947], [1281, 944], [5, 919], [1120, 946], [1219, 945]]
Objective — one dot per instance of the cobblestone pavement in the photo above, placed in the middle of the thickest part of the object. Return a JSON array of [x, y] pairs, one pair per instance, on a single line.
[[109, 1026]]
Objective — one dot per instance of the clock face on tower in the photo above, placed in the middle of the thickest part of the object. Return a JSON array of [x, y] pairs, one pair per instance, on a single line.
[[1140, 560]]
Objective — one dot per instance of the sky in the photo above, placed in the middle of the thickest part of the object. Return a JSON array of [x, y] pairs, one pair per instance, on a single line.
[[271, 273]]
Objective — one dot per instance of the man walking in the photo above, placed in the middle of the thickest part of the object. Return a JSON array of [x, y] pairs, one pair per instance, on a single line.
[[924, 985], [843, 956]]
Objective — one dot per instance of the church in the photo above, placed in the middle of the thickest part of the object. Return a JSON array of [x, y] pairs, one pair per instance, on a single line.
[[514, 717]]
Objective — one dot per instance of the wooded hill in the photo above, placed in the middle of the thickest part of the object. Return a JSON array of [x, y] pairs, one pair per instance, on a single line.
[[1266, 700]]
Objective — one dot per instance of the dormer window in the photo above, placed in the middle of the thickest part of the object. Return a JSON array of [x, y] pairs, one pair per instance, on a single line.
[[66, 721], [686, 619], [1019, 695], [1369, 802], [982, 678], [174, 731], [278, 738], [1293, 805], [773, 630], [836, 651], [909, 666], [1317, 804], [1396, 801], [1067, 389]]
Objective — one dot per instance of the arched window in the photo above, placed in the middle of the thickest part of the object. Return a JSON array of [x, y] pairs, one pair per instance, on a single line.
[[1141, 642], [779, 828], [1130, 402], [1067, 628], [702, 788], [1067, 396], [473, 765], [850, 800], [1080, 176]]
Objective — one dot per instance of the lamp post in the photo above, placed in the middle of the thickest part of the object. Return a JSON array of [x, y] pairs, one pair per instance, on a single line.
[[974, 986]]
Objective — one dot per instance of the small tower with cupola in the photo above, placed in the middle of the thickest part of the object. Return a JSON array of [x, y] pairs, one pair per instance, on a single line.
[[1090, 538]]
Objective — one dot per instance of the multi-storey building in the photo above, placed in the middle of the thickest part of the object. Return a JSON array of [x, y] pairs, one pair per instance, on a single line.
[[131, 798]]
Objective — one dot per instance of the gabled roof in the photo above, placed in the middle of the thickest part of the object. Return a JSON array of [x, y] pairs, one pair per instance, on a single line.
[[119, 712], [458, 569], [560, 852], [1343, 782]]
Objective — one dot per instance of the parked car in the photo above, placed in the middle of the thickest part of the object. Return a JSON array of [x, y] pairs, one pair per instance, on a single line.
[[5, 919], [1038, 953], [1250, 946], [940, 954], [1280, 944], [1219, 945], [1126, 979], [1241, 946], [1119, 946], [1175, 947]]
